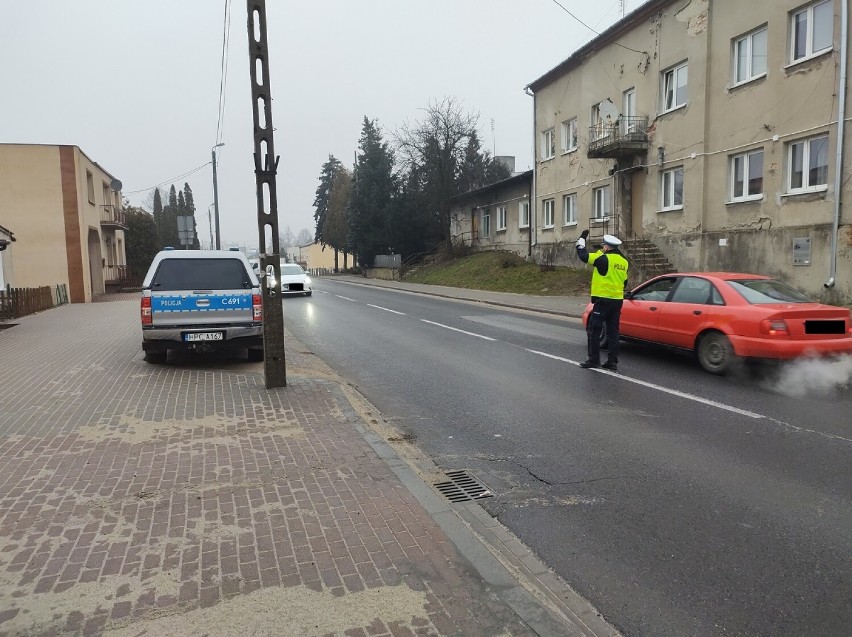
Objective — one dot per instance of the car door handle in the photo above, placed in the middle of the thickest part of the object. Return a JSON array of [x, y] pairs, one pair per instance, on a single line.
[[652, 308], [696, 312]]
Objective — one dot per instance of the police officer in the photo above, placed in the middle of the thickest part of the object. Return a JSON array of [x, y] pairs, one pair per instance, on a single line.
[[609, 279]]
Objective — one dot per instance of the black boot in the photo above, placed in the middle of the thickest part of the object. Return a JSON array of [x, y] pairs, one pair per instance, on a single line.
[[589, 364]]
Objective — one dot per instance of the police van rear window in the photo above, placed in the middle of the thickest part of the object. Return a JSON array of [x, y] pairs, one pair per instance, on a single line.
[[201, 274]]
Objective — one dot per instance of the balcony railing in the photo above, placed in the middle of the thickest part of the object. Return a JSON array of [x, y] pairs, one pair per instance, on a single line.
[[116, 273], [113, 216], [624, 137]]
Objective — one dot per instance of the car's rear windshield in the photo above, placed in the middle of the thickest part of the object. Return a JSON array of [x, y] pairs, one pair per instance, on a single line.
[[291, 268], [201, 274], [768, 291]]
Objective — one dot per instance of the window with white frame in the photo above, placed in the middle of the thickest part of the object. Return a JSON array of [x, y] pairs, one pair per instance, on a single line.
[[807, 164], [548, 144], [486, 223], [524, 214], [672, 189], [547, 213], [569, 135], [569, 209], [501, 217], [750, 56], [603, 202], [747, 176], [675, 92], [811, 30]]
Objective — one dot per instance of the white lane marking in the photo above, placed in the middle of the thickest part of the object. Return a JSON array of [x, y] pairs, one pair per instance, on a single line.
[[345, 298], [667, 390], [455, 329], [379, 307]]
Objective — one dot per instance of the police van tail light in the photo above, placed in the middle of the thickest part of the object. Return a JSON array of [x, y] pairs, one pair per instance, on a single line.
[[147, 319], [256, 307]]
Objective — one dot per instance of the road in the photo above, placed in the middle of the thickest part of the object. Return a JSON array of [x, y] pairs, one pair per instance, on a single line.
[[677, 502]]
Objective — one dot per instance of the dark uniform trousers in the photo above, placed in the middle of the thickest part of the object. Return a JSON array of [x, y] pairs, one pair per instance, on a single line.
[[604, 312]]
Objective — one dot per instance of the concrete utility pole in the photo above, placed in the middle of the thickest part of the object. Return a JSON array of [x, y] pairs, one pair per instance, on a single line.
[[265, 168], [216, 196]]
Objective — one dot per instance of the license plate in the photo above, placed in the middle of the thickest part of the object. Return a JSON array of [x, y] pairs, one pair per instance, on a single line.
[[203, 336], [825, 327]]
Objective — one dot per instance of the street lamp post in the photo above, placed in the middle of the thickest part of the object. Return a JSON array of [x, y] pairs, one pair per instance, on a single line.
[[216, 196]]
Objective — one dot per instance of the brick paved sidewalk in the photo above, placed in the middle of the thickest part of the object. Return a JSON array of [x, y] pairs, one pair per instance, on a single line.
[[187, 499]]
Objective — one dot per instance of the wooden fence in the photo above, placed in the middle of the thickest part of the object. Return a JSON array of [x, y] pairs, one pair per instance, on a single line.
[[17, 302]]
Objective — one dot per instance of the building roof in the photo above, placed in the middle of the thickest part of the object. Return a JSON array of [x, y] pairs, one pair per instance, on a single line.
[[611, 35], [509, 181]]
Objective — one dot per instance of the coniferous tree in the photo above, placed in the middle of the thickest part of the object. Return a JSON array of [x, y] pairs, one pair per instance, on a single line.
[[337, 214], [159, 218], [374, 194], [189, 202], [142, 241], [170, 212], [323, 194]]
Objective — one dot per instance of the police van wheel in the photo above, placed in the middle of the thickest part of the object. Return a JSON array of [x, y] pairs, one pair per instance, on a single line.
[[255, 355], [156, 358]]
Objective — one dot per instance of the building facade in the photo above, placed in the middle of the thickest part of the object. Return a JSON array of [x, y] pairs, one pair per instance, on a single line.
[[494, 217], [68, 219], [709, 128]]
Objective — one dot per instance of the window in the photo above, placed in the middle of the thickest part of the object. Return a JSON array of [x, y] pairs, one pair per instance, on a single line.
[[548, 144], [569, 209], [628, 110], [501, 217], [675, 94], [672, 189], [750, 56], [747, 176], [524, 214], [547, 209], [569, 135], [486, 223], [603, 202], [811, 30], [692, 290], [808, 164], [90, 186]]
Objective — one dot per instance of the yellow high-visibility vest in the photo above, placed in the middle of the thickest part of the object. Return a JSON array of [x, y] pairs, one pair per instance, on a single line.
[[611, 284]]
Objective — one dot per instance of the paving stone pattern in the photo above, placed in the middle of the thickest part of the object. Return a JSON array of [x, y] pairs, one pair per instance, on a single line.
[[140, 499]]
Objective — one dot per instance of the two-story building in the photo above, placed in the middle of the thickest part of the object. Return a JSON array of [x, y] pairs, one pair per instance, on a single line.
[[712, 129], [67, 216]]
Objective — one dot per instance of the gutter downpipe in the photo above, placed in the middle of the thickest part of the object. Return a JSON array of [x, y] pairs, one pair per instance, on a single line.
[[533, 206], [841, 116]]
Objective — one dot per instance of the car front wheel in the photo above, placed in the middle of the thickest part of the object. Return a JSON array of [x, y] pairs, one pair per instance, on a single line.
[[715, 353]]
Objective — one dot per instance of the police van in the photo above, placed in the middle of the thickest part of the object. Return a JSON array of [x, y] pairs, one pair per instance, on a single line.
[[201, 300]]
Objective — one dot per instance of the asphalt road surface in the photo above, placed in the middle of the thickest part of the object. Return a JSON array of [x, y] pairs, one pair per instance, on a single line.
[[677, 502]]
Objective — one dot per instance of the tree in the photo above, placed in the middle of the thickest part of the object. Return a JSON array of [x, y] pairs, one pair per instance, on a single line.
[[286, 239], [169, 235], [304, 237], [336, 232], [374, 194], [438, 146], [159, 218], [142, 241], [189, 203], [472, 168], [323, 194]]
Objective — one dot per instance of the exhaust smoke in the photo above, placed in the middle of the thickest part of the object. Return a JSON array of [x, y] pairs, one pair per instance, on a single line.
[[813, 377]]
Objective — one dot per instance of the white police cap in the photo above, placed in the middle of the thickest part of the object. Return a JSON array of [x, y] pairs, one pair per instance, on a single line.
[[611, 240]]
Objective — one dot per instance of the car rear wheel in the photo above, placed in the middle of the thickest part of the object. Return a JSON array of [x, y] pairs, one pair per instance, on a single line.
[[715, 353]]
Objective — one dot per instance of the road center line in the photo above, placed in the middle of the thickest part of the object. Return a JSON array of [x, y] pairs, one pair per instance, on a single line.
[[379, 307], [455, 329], [667, 390], [345, 298]]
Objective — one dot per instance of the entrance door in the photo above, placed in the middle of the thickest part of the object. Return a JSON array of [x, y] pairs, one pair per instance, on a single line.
[[628, 111]]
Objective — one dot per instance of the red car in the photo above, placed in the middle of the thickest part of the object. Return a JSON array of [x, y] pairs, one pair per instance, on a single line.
[[721, 316]]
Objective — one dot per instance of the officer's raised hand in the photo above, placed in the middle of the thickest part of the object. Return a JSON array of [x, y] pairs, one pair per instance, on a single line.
[[581, 242]]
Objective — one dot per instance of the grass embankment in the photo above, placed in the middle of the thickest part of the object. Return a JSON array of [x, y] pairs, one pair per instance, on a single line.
[[502, 272]]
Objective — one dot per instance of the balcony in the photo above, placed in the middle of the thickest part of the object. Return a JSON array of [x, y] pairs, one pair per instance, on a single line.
[[625, 137], [113, 217]]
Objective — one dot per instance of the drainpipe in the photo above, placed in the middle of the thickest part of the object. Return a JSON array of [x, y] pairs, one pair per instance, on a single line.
[[838, 165], [535, 171]]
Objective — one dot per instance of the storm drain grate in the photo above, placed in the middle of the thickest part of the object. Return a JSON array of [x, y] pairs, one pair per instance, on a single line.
[[462, 487]]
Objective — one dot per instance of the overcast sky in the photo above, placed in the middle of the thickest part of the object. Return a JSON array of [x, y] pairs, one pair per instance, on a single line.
[[135, 84]]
